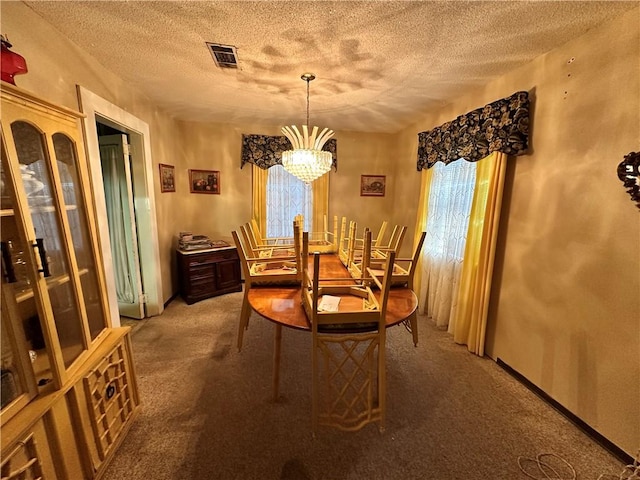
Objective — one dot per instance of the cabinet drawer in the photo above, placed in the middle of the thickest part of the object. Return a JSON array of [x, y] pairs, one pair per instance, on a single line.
[[202, 286], [194, 261], [210, 257], [203, 270]]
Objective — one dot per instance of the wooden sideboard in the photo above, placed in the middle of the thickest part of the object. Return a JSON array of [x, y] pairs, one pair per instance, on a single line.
[[207, 273]]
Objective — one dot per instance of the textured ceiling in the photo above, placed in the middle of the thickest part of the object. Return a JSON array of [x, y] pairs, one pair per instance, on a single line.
[[379, 64]]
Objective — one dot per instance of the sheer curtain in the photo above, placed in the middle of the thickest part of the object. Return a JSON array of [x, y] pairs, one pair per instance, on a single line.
[[287, 196], [449, 201], [119, 220]]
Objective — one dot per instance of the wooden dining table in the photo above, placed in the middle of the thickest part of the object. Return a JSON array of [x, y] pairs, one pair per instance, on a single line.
[[282, 305]]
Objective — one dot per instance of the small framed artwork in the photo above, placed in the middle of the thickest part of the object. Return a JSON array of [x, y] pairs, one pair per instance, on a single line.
[[204, 181], [167, 178], [372, 185]]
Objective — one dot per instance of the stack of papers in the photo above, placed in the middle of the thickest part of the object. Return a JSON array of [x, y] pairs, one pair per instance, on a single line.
[[328, 304], [198, 242]]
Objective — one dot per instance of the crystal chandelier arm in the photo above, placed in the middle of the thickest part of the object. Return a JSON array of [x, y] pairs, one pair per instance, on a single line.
[[306, 141], [322, 139], [294, 137], [305, 134], [298, 136], [310, 141]]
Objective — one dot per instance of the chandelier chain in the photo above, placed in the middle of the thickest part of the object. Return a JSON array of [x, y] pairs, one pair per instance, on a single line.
[[308, 80]]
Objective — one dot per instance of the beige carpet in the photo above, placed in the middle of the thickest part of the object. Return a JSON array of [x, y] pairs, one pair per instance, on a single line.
[[207, 411]]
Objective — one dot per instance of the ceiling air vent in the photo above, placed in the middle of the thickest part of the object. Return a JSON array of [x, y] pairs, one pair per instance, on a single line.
[[224, 55]]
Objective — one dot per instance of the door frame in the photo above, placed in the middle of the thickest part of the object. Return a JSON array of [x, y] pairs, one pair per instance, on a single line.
[[97, 109], [135, 308]]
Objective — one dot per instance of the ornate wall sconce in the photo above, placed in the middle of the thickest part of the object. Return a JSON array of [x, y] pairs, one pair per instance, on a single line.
[[629, 175]]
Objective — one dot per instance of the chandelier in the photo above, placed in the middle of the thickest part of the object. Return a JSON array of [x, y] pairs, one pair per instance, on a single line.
[[307, 160]]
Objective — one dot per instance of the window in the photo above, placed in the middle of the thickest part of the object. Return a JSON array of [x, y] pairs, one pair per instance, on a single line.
[[449, 208], [287, 196], [450, 199]]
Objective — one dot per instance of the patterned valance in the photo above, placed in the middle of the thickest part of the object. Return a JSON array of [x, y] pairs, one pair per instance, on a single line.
[[265, 151], [501, 126]]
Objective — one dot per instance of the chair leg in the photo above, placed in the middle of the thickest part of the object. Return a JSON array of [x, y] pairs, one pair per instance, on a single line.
[[413, 320], [314, 389], [245, 313]]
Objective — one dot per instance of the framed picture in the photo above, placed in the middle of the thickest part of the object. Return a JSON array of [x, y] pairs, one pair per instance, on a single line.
[[167, 178], [372, 185], [204, 181]]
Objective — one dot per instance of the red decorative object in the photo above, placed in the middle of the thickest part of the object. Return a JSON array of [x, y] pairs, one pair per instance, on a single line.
[[11, 63]]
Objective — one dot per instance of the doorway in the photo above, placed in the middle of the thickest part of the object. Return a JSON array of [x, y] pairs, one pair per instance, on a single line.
[[117, 180], [104, 115]]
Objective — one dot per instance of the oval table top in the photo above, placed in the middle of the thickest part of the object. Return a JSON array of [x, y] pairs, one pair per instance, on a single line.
[[283, 304]]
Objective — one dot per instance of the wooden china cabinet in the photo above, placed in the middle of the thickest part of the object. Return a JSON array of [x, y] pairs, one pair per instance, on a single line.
[[69, 391]]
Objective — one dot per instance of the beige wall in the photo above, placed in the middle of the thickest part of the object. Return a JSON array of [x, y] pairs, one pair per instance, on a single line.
[[55, 67], [362, 154], [218, 147], [565, 307]]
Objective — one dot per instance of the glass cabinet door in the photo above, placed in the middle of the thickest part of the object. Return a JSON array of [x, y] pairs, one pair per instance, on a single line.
[[65, 150], [24, 358], [54, 302], [45, 209]]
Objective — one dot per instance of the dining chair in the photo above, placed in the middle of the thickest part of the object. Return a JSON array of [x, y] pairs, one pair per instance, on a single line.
[[394, 244], [346, 245], [343, 241], [360, 256], [263, 240], [348, 350], [262, 249], [402, 276], [324, 241], [331, 237], [265, 245], [377, 242], [352, 244], [275, 270], [403, 269]]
